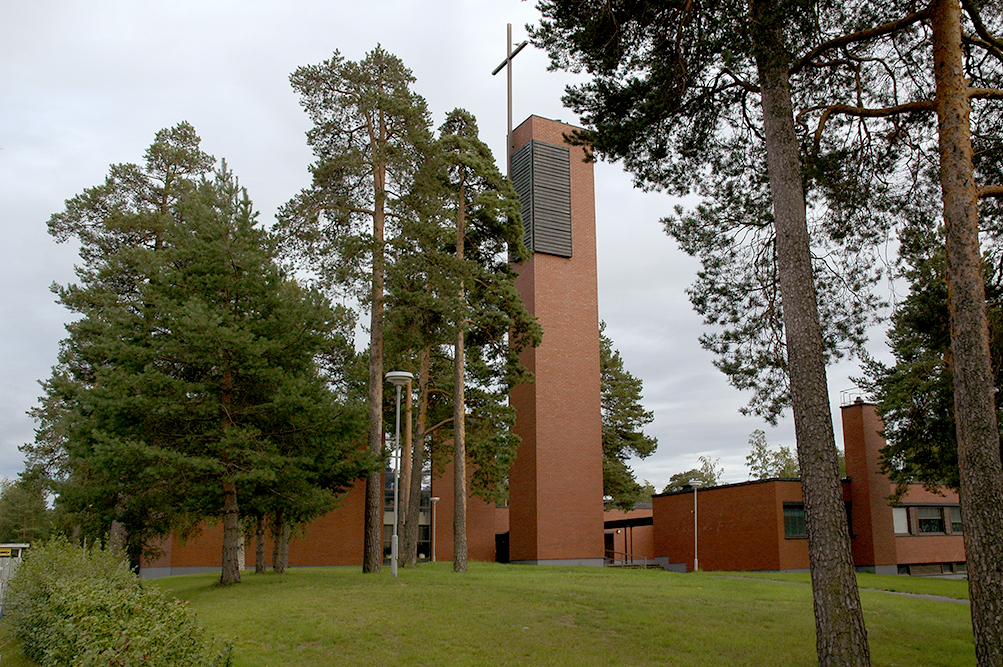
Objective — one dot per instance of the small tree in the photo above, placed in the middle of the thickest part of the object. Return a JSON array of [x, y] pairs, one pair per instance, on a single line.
[[709, 474], [623, 418], [24, 514], [764, 463]]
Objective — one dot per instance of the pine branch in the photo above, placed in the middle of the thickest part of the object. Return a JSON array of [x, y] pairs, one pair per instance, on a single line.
[[986, 93], [990, 191], [739, 81], [980, 27], [346, 209], [862, 112], [990, 48], [861, 36], [435, 428]]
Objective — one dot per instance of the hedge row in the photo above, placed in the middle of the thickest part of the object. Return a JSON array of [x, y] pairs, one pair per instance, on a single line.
[[82, 606]]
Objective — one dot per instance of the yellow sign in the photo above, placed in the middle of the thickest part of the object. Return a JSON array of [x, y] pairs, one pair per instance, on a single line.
[[5, 553]]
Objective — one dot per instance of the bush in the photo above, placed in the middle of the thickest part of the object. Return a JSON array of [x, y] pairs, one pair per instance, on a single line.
[[80, 607]]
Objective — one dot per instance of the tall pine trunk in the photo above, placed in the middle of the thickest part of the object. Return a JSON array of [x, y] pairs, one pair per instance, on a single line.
[[281, 531], [411, 528], [231, 535], [231, 514], [373, 540], [841, 639], [979, 464], [259, 545], [459, 407], [284, 535]]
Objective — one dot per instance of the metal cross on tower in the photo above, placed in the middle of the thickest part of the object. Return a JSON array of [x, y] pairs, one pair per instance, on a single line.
[[507, 63]]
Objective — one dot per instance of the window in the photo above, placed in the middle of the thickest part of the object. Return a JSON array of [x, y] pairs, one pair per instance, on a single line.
[[794, 524], [900, 517], [388, 536], [930, 519], [954, 516]]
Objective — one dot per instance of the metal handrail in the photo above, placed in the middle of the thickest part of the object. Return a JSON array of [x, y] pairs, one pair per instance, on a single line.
[[611, 557]]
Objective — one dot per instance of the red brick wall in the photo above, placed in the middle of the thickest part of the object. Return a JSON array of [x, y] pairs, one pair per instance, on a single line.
[[916, 549], [332, 539], [636, 540], [875, 542], [873, 529], [741, 527], [501, 519], [555, 496], [335, 538], [480, 520]]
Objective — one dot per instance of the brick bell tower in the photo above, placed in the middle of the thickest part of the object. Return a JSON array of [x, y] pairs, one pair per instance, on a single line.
[[555, 484]]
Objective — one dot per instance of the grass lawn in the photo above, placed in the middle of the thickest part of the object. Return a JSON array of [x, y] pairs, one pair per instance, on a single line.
[[517, 615], [520, 615]]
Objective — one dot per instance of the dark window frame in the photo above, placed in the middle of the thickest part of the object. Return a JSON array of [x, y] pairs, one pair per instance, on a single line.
[[795, 527], [930, 525]]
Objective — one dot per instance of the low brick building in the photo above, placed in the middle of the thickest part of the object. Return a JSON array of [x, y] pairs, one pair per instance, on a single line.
[[760, 525], [756, 525]]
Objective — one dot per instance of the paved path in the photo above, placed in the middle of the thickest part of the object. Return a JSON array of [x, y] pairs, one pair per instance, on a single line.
[[921, 596]]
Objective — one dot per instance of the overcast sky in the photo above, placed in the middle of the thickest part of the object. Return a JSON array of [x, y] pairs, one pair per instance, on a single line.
[[87, 84]]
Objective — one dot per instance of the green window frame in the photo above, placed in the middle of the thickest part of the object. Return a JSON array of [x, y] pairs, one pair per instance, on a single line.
[[954, 518], [794, 520]]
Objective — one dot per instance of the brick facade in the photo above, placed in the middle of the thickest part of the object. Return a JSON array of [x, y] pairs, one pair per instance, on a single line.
[[481, 520], [336, 538], [555, 497], [741, 526], [628, 537]]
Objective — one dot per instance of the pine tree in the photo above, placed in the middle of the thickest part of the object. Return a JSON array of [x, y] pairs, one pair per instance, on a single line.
[[673, 84], [192, 373], [623, 418], [118, 225], [488, 226], [915, 394], [369, 136]]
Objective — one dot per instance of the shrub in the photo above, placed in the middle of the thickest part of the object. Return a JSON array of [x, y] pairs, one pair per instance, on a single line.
[[79, 606]]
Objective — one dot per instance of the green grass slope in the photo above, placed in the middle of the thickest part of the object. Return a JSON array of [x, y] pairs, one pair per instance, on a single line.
[[518, 615]]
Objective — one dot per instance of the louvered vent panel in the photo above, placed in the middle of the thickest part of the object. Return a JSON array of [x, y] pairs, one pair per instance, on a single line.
[[542, 177], [522, 179]]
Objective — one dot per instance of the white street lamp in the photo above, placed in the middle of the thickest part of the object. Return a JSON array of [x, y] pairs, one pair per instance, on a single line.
[[434, 500], [399, 379], [696, 484]]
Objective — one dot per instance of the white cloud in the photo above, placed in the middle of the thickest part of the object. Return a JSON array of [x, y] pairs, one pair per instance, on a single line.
[[88, 84]]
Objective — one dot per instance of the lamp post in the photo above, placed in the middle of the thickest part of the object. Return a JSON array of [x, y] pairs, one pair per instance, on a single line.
[[434, 500], [696, 484], [398, 379]]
